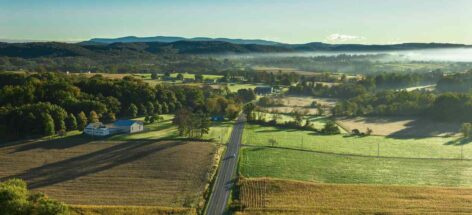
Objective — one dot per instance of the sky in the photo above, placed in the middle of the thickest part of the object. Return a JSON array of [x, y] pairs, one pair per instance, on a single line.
[[290, 21]]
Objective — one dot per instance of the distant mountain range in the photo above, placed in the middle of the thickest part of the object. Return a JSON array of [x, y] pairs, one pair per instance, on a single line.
[[128, 46], [170, 39]]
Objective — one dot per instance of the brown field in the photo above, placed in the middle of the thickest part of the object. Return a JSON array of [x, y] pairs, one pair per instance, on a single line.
[[127, 210], [308, 111], [79, 171], [400, 127], [298, 101], [268, 196]]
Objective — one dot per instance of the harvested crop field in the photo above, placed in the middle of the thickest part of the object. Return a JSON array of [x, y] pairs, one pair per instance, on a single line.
[[268, 196], [127, 210], [297, 101], [400, 127], [78, 170]]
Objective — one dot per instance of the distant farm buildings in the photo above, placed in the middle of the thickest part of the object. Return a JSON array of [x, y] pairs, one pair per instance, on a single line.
[[119, 126], [263, 90]]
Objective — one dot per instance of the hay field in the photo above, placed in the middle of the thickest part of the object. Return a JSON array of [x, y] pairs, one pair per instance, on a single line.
[[268, 196], [83, 171], [401, 127]]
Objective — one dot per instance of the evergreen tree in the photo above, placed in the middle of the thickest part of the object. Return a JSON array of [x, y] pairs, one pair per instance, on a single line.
[[71, 122], [48, 124], [132, 111]]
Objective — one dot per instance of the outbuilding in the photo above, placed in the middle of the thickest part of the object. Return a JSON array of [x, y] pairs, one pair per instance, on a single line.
[[128, 126]]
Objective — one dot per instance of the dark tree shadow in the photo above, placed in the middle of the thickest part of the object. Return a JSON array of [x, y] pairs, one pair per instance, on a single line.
[[60, 143], [87, 164], [423, 128], [459, 142]]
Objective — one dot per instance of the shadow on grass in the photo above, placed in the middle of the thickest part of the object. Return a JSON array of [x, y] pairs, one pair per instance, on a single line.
[[415, 128], [459, 141], [87, 164]]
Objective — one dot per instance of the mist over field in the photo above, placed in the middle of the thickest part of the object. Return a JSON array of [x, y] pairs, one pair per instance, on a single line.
[[435, 55]]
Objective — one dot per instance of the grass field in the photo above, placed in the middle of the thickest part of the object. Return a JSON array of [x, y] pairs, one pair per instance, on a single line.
[[432, 147], [83, 171], [266, 196], [330, 168], [401, 127]]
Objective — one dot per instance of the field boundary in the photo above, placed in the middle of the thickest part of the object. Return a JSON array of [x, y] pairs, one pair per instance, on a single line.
[[354, 155]]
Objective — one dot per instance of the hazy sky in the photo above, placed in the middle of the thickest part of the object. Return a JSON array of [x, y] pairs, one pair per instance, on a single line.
[[291, 21]]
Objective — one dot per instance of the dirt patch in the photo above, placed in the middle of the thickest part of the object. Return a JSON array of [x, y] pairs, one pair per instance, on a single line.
[[400, 127], [78, 170]]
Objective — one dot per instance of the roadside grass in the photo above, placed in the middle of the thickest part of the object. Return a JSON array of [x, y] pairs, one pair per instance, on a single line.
[[431, 147], [83, 171], [329, 168], [126, 210], [268, 196]]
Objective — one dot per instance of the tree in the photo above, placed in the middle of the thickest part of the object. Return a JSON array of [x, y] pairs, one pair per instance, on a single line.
[[81, 121], [180, 76], [466, 130], [15, 199], [93, 117], [272, 142], [369, 131], [199, 77], [232, 111], [142, 110], [71, 122], [132, 111], [204, 124], [330, 128], [154, 76], [48, 124], [150, 108], [109, 117]]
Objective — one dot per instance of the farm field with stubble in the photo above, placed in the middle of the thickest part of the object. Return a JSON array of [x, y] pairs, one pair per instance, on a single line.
[[81, 171], [272, 196]]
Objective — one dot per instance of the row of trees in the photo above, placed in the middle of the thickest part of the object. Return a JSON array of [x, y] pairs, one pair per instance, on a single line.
[[45, 103]]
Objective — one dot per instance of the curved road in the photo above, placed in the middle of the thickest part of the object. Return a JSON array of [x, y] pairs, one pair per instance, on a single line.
[[224, 183]]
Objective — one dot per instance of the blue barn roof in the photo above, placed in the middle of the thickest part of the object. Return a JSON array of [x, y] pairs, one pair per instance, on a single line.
[[124, 122]]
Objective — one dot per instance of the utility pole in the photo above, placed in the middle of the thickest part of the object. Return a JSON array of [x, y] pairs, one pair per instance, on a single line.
[[378, 149], [462, 151], [302, 141]]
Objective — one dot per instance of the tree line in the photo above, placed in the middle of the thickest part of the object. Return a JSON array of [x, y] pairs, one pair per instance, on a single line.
[[47, 103]]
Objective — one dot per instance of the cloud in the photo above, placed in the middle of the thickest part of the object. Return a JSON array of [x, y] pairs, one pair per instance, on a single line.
[[336, 38]]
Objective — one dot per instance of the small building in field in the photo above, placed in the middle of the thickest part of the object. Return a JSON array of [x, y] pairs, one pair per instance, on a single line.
[[217, 118], [97, 129], [263, 90], [128, 126]]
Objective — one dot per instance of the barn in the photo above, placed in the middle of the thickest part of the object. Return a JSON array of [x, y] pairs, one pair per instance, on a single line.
[[128, 126]]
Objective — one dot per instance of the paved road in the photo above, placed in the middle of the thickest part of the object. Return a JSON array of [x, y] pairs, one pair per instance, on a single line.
[[223, 183]]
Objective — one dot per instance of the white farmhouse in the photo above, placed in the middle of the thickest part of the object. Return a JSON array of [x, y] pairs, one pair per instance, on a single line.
[[97, 129]]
